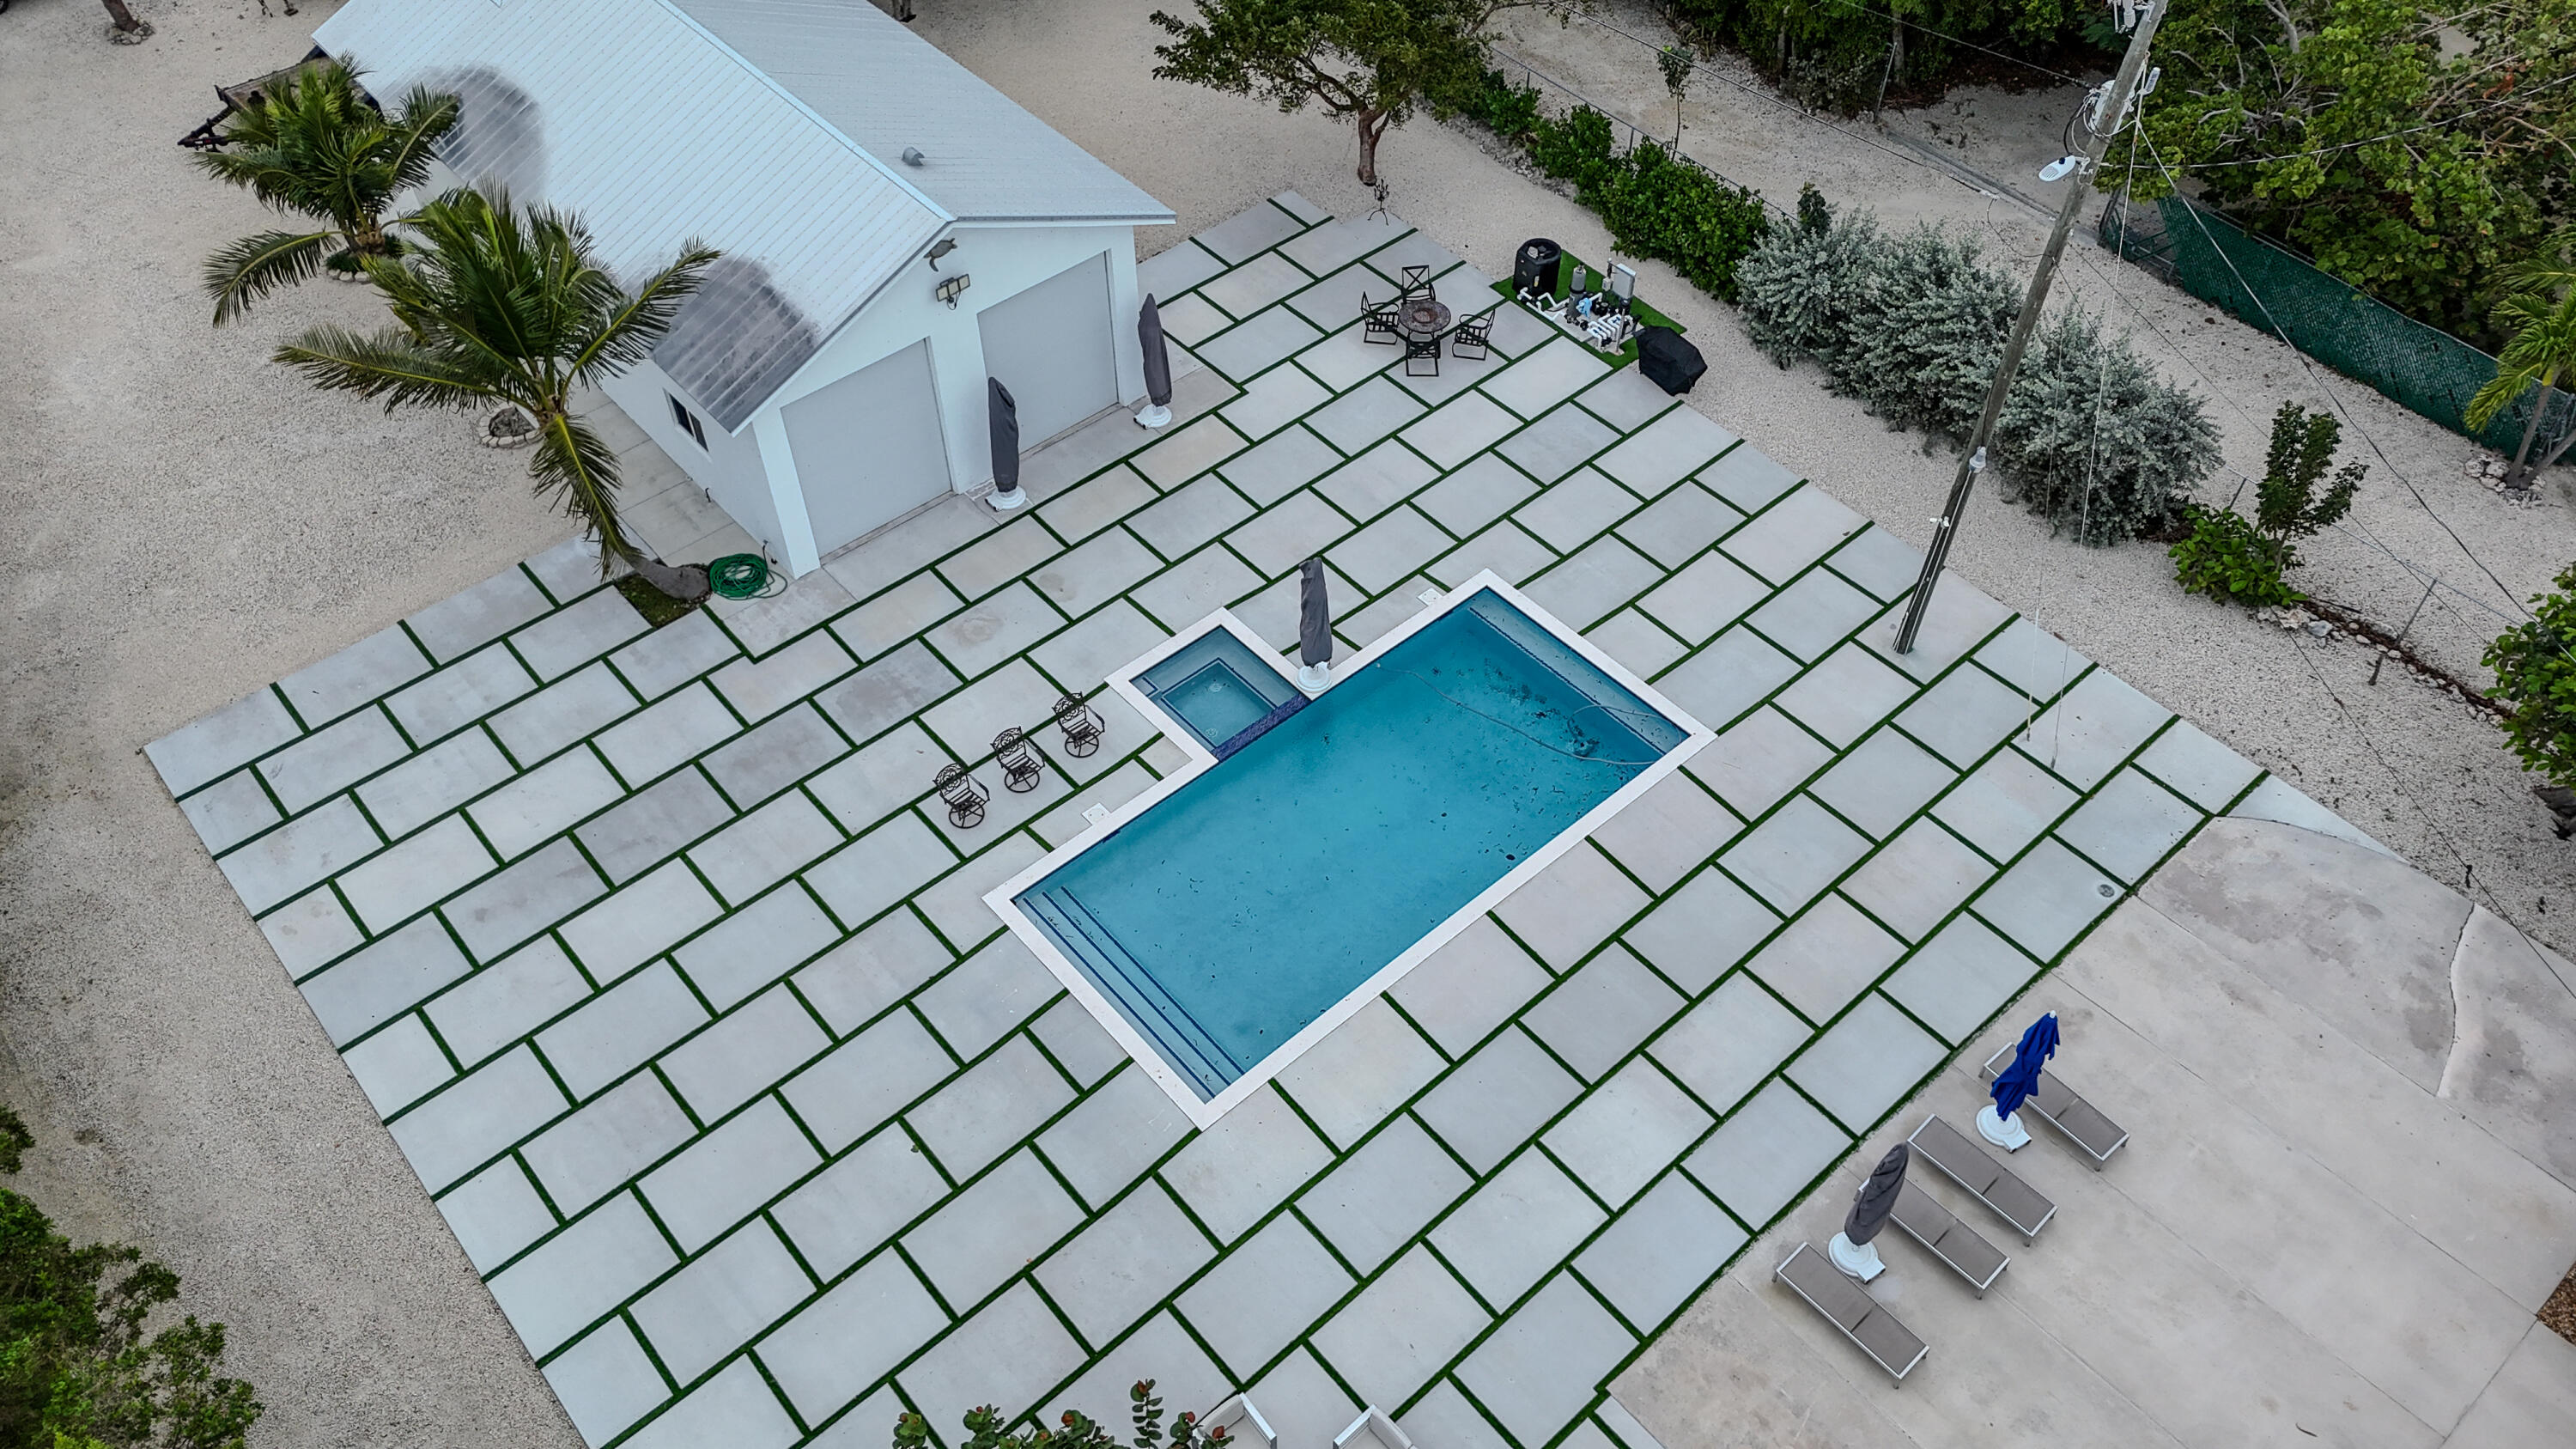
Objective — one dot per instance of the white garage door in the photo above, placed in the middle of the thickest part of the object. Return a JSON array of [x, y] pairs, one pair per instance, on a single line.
[[867, 447], [1050, 346]]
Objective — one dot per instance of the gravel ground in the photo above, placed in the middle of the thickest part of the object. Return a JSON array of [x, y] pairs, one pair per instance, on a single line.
[[238, 526], [184, 523]]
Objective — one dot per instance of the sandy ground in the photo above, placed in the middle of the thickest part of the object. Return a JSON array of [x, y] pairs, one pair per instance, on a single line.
[[184, 522], [179, 522]]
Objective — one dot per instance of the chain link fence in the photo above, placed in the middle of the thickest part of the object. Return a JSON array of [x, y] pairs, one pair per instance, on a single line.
[[2422, 369]]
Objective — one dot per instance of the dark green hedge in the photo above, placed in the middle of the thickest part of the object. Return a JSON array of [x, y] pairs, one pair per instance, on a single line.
[[1656, 204]]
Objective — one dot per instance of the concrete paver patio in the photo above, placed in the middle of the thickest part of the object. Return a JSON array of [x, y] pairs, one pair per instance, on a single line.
[[680, 997]]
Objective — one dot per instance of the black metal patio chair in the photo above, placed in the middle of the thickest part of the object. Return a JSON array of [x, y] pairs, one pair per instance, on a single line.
[[1419, 351], [1476, 332], [1019, 761], [1377, 323], [962, 795], [1081, 726]]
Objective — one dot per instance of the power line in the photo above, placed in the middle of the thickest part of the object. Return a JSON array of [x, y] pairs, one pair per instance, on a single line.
[[2330, 394]]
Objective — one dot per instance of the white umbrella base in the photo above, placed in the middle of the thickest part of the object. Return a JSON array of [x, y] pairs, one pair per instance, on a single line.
[[1857, 1260], [2005, 1132], [1155, 415]]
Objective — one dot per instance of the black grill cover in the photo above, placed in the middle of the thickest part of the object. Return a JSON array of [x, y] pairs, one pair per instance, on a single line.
[[1538, 267], [1667, 361]]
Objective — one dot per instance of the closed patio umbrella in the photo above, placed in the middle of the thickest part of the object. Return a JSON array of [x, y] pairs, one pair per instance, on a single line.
[[1158, 366], [1314, 627], [1871, 1207], [2015, 1083], [1002, 413]]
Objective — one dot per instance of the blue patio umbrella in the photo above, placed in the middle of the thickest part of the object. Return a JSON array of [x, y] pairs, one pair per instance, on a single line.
[[2019, 1080]]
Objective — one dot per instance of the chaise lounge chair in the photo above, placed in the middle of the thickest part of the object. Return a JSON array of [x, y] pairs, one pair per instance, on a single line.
[[1986, 1180], [2075, 1119], [1942, 1235], [1890, 1344]]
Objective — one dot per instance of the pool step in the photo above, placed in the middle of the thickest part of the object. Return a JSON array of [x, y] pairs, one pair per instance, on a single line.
[[1139, 997]]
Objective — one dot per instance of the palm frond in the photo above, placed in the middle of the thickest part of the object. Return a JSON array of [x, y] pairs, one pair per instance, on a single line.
[[576, 469], [632, 326], [426, 117], [317, 147], [390, 364], [255, 266]]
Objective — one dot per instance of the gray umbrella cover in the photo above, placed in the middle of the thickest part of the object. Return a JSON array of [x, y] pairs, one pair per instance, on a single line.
[[1314, 615], [1004, 415], [1876, 1200], [1158, 358]]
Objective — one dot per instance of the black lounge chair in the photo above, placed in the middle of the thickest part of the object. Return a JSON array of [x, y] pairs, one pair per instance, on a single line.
[[2058, 1105], [1890, 1344], [1942, 1235], [1983, 1178]]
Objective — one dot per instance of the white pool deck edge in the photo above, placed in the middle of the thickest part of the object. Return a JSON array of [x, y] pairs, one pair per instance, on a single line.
[[1204, 1112]]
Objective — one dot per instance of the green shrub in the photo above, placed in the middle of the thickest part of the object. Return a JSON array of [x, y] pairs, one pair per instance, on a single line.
[[1575, 149], [1075, 1430], [77, 1368], [1806, 289], [1655, 203], [2090, 436], [2093, 439], [2224, 557], [2244, 559], [1924, 355], [1676, 212], [2536, 676], [1509, 111]]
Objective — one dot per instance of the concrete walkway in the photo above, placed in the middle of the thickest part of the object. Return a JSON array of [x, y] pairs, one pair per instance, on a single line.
[[2340, 1206]]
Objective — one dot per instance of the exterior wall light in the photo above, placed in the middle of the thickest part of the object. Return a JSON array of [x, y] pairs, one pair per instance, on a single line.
[[947, 291]]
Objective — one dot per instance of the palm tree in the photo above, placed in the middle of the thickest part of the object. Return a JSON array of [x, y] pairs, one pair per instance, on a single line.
[[2541, 316], [496, 305], [318, 147]]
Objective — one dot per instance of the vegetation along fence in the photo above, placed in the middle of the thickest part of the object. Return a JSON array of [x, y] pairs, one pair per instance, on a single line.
[[2418, 367]]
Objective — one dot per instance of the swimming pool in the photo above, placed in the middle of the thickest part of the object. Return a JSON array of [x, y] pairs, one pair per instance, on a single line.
[[1240, 910]]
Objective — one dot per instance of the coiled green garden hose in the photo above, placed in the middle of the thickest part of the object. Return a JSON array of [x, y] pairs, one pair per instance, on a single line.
[[742, 576]]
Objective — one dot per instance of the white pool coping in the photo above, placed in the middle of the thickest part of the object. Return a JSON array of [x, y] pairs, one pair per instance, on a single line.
[[1204, 1112]]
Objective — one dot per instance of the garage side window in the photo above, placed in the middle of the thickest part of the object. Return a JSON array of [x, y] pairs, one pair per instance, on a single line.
[[687, 420]]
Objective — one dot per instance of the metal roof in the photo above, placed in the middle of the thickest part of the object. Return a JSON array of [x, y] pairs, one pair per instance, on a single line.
[[637, 117], [870, 76]]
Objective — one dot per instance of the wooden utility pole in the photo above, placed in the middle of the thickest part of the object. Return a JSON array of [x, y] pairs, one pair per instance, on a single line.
[[2106, 123]]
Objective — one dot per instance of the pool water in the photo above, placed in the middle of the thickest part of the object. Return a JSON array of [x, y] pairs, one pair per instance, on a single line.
[[1220, 691], [1242, 907]]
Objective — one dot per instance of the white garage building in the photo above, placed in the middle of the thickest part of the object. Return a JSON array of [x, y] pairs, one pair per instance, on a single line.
[[818, 386]]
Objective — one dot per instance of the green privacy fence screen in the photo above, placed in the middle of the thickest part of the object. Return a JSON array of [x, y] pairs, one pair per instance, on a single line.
[[2418, 367]]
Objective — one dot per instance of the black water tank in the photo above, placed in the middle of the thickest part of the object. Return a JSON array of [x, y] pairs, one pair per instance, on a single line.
[[1541, 264], [1667, 361]]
